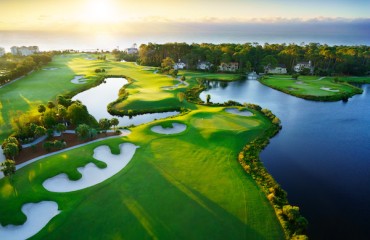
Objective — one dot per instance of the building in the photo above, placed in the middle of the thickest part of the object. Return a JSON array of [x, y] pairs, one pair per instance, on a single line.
[[2, 51], [303, 65], [132, 50], [24, 51], [229, 67], [204, 65], [179, 65], [280, 69]]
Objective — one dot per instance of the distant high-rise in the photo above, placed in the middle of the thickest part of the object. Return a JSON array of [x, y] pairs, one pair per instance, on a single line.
[[2, 51], [132, 50], [24, 51]]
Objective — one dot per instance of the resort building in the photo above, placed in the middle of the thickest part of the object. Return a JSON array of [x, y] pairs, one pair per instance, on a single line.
[[2, 51], [302, 65], [132, 50], [229, 67], [24, 51], [204, 65], [280, 69], [179, 65]]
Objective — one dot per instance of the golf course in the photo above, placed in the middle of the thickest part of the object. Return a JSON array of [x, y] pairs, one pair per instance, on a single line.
[[314, 87], [180, 177]]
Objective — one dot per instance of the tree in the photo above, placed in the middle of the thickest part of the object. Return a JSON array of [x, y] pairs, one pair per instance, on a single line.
[[11, 150], [49, 119], [208, 98], [41, 108], [183, 78], [77, 113], [114, 122], [104, 124], [167, 64], [8, 168], [48, 145], [50, 105], [83, 131], [40, 131], [61, 127]]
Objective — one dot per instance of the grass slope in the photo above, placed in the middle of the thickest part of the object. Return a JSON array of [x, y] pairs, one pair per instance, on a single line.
[[311, 87], [183, 186], [42, 86]]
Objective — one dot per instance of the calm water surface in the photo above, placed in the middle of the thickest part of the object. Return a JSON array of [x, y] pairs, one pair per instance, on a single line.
[[97, 98], [321, 157]]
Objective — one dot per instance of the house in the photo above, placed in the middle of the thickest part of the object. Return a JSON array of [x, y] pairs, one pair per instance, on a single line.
[[24, 51], [204, 65], [229, 67], [132, 50], [2, 51], [179, 65], [280, 69], [302, 65]]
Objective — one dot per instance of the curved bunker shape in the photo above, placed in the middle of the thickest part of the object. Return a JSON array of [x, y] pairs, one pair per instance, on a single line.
[[236, 111], [91, 174], [176, 128], [38, 215], [78, 80]]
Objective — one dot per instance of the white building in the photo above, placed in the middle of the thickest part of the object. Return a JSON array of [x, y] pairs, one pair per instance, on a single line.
[[229, 67], [302, 65], [24, 51], [132, 50], [179, 65], [2, 51], [280, 69], [204, 65]]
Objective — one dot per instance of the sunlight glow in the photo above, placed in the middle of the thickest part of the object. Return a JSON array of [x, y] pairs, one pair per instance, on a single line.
[[99, 11]]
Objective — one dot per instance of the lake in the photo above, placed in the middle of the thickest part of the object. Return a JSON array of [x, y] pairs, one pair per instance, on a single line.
[[321, 157], [97, 98]]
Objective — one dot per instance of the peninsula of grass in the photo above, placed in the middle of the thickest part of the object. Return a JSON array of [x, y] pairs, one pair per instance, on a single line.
[[39, 87], [183, 186], [311, 87]]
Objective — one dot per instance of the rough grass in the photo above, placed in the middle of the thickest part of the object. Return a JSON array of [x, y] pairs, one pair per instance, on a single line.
[[183, 186], [311, 87]]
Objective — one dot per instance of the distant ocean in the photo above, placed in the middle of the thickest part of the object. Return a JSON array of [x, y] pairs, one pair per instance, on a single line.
[[331, 33]]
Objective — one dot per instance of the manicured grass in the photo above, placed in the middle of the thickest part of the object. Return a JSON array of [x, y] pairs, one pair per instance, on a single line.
[[212, 76], [183, 186], [42, 86], [311, 87]]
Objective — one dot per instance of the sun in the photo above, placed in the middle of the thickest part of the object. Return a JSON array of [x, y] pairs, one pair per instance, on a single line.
[[99, 11]]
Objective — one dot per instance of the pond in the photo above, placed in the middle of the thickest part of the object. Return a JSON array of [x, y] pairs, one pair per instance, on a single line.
[[97, 98], [321, 157]]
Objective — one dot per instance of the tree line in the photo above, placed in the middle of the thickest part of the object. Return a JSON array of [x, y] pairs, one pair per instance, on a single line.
[[17, 66], [327, 60]]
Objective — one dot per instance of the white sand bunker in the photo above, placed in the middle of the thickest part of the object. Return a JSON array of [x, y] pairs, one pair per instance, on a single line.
[[50, 69], [236, 111], [78, 80], [91, 174], [176, 128], [329, 89], [38, 215]]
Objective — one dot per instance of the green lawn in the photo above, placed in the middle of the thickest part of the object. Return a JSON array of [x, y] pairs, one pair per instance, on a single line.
[[184, 186], [311, 87], [42, 86], [212, 76]]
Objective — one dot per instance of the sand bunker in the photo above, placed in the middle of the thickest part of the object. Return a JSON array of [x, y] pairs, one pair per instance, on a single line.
[[176, 128], [78, 80], [329, 89], [50, 69], [236, 111], [91, 174], [38, 215]]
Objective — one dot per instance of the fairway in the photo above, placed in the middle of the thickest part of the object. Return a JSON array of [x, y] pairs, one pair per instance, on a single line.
[[181, 186], [311, 87]]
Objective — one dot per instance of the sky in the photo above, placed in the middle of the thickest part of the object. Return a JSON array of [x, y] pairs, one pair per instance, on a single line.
[[106, 23]]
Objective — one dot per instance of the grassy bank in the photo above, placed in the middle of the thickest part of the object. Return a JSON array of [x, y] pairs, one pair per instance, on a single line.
[[187, 185], [312, 87]]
